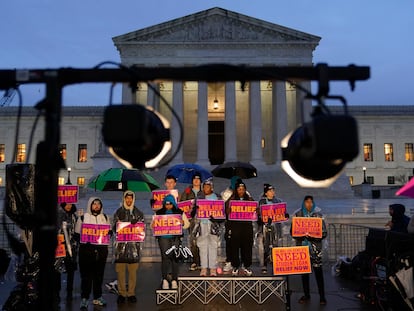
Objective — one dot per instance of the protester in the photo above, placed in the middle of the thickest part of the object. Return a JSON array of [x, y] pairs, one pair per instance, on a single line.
[[241, 235], [207, 239], [127, 254], [66, 223], [165, 242], [410, 227], [399, 221], [226, 195], [268, 197], [309, 209], [92, 257], [190, 193]]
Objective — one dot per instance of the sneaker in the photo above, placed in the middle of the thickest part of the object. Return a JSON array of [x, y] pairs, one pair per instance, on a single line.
[[99, 302], [235, 272], [203, 272], [264, 270], [165, 284], [174, 284], [247, 272], [193, 267], [227, 267], [84, 304], [304, 299], [213, 272], [120, 299], [132, 299]]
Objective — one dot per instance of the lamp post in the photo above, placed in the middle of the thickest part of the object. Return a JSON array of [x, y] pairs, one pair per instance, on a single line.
[[68, 182], [364, 169]]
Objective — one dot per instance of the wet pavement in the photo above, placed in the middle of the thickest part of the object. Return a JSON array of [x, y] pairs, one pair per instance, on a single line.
[[340, 294]]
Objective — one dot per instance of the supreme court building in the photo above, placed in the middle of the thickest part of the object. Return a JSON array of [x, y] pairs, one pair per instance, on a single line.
[[221, 121]]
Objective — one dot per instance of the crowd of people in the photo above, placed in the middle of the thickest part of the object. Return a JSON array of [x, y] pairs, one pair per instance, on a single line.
[[204, 236]]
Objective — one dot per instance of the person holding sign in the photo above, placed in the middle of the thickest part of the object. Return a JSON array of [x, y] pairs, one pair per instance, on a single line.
[[66, 221], [94, 231], [268, 197], [127, 254], [207, 242], [191, 193], [241, 230], [167, 241], [309, 209]]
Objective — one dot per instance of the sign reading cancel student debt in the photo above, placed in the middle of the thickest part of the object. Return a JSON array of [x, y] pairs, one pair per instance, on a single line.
[[276, 211], [307, 226], [127, 232], [95, 234], [159, 195], [207, 208], [243, 210], [167, 225], [291, 260]]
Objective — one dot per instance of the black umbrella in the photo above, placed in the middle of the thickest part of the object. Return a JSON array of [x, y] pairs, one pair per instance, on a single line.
[[229, 169]]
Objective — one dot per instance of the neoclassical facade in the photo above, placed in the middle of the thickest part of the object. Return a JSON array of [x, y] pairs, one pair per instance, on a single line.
[[222, 122]]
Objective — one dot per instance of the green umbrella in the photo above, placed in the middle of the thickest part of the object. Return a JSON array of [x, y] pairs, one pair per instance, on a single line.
[[122, 179]]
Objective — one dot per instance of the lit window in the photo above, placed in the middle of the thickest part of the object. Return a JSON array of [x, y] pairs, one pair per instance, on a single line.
[[81, 181], [388, 153], [82, 153], [409, 152], [21, 153], [61, 181], [368, 153], [62, 151], [2, 153], [1, 181], [351, 180], [391, 180]]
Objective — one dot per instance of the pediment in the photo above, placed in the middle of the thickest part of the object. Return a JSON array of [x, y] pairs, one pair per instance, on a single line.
[[216, 25]]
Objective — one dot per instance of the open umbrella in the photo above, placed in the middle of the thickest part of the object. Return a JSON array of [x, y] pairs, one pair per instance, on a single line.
[[230, 169], [407, 190], [184, 172], [122, 179]]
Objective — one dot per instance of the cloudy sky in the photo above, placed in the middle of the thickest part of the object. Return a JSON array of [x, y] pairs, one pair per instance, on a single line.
[[78, 33]]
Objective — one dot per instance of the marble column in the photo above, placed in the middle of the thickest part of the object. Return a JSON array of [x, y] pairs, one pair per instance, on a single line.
[[230, 137], [177, 105], [303, 106], [255, 115], [151, 96], [280, 116], [202, 125]]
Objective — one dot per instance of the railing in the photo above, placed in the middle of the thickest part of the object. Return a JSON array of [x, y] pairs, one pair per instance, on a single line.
[[343, 240]]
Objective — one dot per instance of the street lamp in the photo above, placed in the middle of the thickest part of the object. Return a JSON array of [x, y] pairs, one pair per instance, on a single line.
[[68, 182], [365, 175]]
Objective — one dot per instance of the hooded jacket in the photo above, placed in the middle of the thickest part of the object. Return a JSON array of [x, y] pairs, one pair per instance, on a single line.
[[175, 210], [127, 252], [399, 220], [315, 244]]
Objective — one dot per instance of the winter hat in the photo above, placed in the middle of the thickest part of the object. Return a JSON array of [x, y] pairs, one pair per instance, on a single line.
[[267, 187], [208, 182], [197, 175], [240, 183]]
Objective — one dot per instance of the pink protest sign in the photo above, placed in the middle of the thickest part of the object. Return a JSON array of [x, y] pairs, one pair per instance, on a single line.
[[167, 225], [243, 210], [207, 208], [159, 195], [68, 194], [186, 207], [127, 232], [95, 234], [276, 211]]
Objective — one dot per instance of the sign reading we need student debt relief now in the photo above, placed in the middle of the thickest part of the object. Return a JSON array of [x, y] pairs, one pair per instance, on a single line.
[[291, 260], [307, 226], [167, 225], [243, 210], [127, 232], [159, 195]]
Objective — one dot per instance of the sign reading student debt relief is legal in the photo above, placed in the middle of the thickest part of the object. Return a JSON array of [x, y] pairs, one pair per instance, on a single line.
[[127, 232], [60, 248], [275, 211], [243, 210], [67, 194], [291, 260], [210, 208], [167, 225], [95, 234], [307, 226], [159, 195]]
